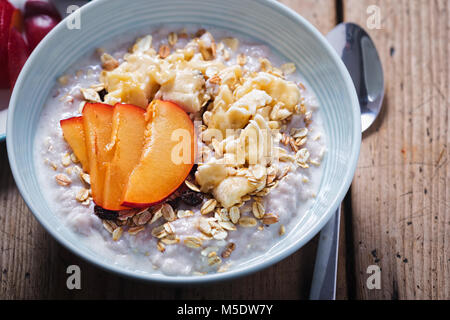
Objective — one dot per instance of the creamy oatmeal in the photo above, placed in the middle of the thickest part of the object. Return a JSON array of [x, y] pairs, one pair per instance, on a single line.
[[243, 195]]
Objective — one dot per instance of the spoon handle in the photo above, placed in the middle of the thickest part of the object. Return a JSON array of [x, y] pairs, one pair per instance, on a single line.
[[323, 285]]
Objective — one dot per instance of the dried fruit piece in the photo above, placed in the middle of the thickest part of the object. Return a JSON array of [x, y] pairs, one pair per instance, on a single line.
[[102, 93], [191, 198], [175, 202], [105, 214]]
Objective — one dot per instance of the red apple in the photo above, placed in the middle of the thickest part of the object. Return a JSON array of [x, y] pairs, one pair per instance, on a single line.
[[6, 12], [37, 27], [17, 55], [38, 7]]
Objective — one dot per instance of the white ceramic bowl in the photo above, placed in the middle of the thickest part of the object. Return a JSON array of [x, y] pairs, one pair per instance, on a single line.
[[269, 22]]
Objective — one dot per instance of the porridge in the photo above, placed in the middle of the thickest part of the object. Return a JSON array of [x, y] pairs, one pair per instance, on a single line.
[[184, 152]]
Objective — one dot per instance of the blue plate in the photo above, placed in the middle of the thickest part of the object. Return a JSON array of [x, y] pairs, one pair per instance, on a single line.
[[267, 21]]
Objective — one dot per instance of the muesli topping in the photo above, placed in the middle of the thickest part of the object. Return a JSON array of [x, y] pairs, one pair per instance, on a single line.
[[254, 130]]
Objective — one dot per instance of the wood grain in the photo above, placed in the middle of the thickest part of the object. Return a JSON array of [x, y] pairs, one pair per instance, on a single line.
[[33, 265], [400, 197], [321, 13], [401, 192]]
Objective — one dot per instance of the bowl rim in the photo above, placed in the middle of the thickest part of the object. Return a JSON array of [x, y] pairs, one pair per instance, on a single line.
[[215, 277]]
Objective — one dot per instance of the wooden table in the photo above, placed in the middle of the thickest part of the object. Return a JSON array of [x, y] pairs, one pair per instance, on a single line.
[[397, 214]]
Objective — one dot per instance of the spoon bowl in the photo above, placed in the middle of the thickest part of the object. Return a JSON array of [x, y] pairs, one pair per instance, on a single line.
[[361, 58]]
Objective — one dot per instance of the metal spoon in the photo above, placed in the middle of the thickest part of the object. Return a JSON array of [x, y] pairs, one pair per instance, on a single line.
[[360, 56]]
